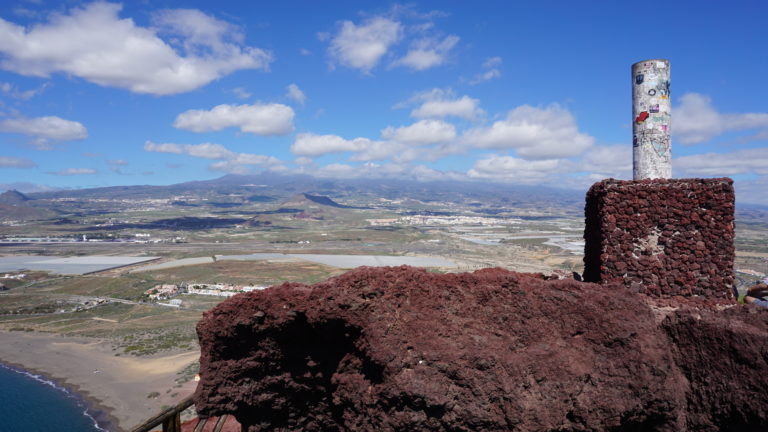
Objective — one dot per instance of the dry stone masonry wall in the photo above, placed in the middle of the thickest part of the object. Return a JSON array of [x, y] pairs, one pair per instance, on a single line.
[[662, 237]]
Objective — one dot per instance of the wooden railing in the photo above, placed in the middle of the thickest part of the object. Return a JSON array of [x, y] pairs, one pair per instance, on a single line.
[[171, 419]]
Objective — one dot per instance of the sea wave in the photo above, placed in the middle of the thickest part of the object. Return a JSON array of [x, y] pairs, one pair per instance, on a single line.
[[88, 411]]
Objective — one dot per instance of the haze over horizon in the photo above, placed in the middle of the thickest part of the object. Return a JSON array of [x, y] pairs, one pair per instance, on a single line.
[[101, 94]]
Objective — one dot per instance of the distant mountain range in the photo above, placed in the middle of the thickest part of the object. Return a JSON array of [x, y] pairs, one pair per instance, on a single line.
[[271, 187], [26, 187], [294, 191]]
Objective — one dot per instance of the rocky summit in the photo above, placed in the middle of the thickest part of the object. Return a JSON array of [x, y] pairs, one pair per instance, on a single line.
[[396, 349]]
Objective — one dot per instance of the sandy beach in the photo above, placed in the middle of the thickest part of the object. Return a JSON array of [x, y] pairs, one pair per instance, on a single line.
[[118, 386]]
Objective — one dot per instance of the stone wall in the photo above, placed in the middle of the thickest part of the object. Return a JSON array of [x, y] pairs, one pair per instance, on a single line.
[[662, 237]]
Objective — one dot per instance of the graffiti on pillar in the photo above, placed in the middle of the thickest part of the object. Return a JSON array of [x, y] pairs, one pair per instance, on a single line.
[[656, 140], [651, 112]]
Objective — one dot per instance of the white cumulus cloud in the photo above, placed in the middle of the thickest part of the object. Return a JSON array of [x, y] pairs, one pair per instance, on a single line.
[[508, 168], [752, 191], [259, 119], [295, 94], [695, 120], [427, 53], [421, 133], [208, 151], [439, 103], [746, 161], [94, 43], [227, 160], [362, 149], [241, 93], [371, 170], [485, 76], [163, 148], [240, 163], [308, 144], [45, 130], [534, 133], [337, 170], [362, 46], [14, 92], [608, 161]]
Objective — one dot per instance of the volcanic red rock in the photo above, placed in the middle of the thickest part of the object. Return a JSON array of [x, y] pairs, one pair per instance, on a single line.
[[402, 349], [724, 356], [664, 237]]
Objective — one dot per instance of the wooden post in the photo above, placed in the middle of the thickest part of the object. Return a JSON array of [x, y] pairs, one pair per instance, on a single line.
[[170, 418]]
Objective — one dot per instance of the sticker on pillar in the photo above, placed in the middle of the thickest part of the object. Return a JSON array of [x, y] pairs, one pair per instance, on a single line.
[[651, 92], [664, 128], [638, 79], [642, 117], [654, 108], [634, 141], [661, 65]]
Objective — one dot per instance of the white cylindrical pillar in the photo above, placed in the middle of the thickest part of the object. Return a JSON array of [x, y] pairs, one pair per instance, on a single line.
[[651, 115]]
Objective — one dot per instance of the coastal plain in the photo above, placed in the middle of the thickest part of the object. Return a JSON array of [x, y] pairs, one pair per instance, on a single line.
[[103, 335]]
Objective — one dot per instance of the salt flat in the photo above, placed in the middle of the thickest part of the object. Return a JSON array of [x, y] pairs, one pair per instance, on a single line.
[[68, 265]]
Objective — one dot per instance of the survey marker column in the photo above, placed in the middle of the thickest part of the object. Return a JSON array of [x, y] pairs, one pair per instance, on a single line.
[[651, 120]]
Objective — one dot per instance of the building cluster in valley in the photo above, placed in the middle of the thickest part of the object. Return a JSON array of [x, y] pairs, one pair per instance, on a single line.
[[443, 220], [143, 238], [168, 291]]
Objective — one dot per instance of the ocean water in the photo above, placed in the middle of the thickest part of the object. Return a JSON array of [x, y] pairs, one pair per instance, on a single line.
[[30, 403]]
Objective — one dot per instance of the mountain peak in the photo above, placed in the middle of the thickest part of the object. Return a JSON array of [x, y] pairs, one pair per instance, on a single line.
[[13, 197], [305, 198]]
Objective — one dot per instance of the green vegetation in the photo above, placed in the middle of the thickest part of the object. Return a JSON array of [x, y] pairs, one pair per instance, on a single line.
[[264, 273], [152, 342], [188, 373], [127, 286]]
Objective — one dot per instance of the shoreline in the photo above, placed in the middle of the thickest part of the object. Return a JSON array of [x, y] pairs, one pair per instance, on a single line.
[[115, 389], [93, 408]]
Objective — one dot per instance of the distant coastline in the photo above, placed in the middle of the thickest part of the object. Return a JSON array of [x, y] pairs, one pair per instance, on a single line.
[[92, 408], [116, 389]]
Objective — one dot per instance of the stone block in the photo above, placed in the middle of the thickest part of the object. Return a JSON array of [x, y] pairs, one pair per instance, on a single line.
[[671, 237]]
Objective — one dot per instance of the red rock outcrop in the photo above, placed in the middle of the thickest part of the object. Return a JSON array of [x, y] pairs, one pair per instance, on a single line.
[[401, 349], [662, 237], [724, 356]]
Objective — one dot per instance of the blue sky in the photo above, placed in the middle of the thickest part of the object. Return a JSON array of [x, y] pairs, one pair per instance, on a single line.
[[160, 92]]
